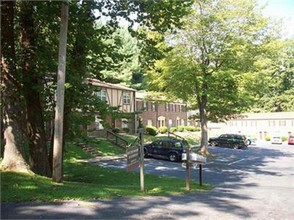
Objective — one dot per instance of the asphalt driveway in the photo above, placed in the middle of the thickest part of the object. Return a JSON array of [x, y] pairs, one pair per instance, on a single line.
[[254, 184]]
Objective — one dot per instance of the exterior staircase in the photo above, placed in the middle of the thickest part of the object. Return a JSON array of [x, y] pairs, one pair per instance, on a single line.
[[90, 150]]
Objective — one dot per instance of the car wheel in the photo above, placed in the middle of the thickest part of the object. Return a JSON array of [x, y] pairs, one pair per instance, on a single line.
[[213, 144], [173, 157], [235, 146]]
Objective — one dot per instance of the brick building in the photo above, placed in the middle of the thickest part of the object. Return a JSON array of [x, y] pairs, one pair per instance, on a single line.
[[159, 113]]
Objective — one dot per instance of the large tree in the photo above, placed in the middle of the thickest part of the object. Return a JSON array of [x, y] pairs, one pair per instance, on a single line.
[[32, 86], [30, 62], [11, 103], [278, 80], [212, 58]]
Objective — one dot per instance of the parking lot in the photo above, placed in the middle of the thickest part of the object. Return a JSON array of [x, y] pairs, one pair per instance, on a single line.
[[257, 183], [224, 160]]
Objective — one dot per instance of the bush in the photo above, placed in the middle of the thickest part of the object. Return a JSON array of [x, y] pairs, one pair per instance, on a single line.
[[180, 128], [191, 128], [126, 130], [267, 138], [162, 129], [151, 130], [115, 130], [197, 129], [173, 129], [284, 138]]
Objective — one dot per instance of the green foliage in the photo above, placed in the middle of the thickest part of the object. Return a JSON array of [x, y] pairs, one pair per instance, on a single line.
[[180, 128], [115, 130], [212, 65], [126, 130], [173, 129], [267, 138], [191, 128], [151, 130], [277, 80], [162, 129]]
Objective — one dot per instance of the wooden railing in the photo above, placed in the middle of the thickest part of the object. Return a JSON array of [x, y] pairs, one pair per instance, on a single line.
[[117, 140], [177, 136]]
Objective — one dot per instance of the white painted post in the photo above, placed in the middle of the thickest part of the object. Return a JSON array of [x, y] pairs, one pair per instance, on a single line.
[[141, 160], [58, 125]]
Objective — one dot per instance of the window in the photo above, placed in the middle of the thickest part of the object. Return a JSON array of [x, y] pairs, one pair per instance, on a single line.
[[149, 123], [145, 106], [161, 121], [102, 95], [183, 108], [282, 123], [124, 123], [178, 144], [170, 122], [166, 144], [98, 123], [153, 107], [182, 122], [167, 107], [271, 123], [126, 98]]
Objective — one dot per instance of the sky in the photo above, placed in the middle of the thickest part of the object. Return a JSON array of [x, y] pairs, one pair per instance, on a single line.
[[281, 9]]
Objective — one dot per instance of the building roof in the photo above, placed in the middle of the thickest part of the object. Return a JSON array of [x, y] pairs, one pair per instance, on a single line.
[[155, 97], [268, 116], [96, 82]]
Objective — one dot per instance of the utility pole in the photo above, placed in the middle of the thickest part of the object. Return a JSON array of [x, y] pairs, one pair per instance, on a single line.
[[59, 110], [141, 160]]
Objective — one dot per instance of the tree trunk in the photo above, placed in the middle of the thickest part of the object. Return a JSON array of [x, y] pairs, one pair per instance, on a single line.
[[202, 103], [14, 156], [35, 123], [204, 132]]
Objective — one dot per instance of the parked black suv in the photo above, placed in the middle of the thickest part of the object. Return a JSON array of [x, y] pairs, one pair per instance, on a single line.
[[235, 141], [168, 148]]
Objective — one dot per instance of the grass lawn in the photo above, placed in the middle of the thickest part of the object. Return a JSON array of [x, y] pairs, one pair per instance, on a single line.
[[84, 181]]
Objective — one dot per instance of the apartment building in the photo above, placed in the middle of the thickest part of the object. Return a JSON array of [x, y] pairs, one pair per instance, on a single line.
[[159, 113], [259, 125], [115, 95]]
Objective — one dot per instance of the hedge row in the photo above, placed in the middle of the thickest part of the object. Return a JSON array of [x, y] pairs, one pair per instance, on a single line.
[[151, 130]]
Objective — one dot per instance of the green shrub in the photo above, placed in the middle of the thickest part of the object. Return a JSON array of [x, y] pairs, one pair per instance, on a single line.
[[197, 129], [173, 129], [126, 130], [284, 138], [180, 128], [151, 130], [115, 130], [162, 129], [190, 128], [267, 138]]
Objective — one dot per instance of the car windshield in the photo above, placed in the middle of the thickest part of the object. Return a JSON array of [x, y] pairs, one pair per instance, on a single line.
[[185, 144]]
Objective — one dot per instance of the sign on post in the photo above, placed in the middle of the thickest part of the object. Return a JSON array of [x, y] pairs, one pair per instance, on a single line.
[[192, 160], [133, 157]]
